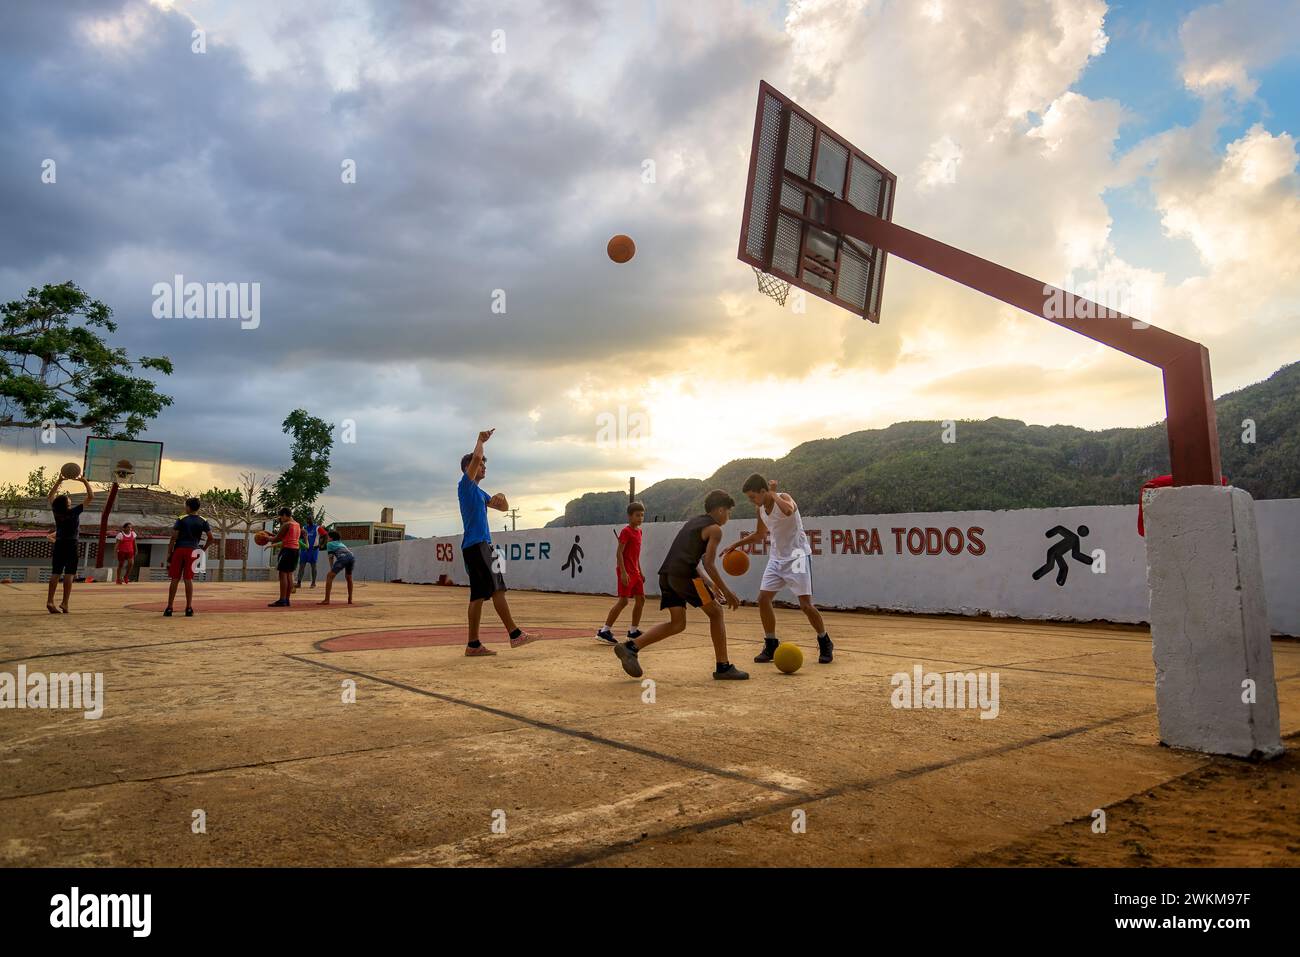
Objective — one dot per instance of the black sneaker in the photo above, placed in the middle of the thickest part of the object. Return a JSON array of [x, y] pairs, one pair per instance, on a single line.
[[730, 673], [769, 646], [167, 612], [627, 654], [633, 634], [826, 648], [189, 612], [606, 636]]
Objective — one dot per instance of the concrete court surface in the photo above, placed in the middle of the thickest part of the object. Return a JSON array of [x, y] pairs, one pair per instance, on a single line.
[[549, 755]]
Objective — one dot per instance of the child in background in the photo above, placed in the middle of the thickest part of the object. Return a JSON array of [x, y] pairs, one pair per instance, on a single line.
[[125, 552], [308, 551], [631, 582], [341, 560]]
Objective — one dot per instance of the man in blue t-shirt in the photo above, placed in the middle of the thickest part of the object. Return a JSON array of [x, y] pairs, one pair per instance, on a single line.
[[481, 561], [308, 550]]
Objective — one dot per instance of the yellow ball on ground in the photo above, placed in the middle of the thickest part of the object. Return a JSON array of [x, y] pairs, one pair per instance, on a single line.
[[788, 657]]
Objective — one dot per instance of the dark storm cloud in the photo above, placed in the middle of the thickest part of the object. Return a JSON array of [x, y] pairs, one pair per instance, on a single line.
[[474, 173]]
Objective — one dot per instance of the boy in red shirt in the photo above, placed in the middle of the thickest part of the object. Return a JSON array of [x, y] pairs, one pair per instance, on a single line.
[[631, 583]]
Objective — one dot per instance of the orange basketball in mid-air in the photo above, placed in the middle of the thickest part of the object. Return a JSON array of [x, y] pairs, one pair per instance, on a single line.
[[621, 248], [735, 563]]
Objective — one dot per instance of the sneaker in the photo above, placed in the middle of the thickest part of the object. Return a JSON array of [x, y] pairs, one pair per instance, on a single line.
[[769, 647], [523, 639], [482, 651], [627, 654], [167, 612], [278, 603], [633, 634], [189, 612], [606, 636], [730, 673], [827, 650]]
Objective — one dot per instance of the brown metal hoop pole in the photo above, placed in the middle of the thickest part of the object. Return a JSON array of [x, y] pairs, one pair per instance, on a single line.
[[103, 525], [1189, 396]]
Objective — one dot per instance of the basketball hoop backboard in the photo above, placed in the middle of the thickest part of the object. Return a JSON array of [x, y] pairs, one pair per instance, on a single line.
[[795, 164], [124, 461]]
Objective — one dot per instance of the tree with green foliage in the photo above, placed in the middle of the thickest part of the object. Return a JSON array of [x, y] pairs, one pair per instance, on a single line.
[[223, 496], [38, 485], [308, 475], [56, 368]]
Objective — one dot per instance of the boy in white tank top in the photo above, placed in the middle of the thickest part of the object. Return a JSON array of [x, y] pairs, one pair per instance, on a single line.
[[789, 563]]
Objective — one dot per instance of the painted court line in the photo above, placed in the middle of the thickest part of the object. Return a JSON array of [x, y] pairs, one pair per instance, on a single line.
[[156, 644], [559, 729], [219, 769], [788, 804]]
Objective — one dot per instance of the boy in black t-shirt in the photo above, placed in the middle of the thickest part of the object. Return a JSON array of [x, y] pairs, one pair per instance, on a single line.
[[67, 524], [190, 536], [680, 584]]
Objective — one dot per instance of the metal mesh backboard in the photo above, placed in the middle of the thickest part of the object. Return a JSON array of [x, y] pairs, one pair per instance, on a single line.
[[122, 460], [796, 163]]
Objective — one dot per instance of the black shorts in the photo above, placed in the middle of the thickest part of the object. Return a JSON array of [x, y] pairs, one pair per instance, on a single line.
[[677, 592], [288, 560], [483, 581], [64, 558], [342, 565]]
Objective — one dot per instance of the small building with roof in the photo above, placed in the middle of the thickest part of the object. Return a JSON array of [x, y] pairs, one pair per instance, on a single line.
[[25, 550]]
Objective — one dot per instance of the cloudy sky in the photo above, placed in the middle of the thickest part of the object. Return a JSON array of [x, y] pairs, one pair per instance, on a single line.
[[497, 146]]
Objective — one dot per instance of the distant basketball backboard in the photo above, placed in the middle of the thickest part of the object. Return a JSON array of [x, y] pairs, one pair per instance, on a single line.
[[125, 461], [797, 163]]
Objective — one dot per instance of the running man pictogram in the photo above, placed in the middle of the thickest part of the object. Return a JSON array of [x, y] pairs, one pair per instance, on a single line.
[[1069, 543]]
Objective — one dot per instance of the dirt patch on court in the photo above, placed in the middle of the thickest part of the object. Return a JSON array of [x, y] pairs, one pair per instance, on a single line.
[[1227, 814]]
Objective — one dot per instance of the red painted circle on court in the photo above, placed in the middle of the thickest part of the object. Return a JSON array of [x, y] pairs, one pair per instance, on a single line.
[[426, 637], [202, 606]]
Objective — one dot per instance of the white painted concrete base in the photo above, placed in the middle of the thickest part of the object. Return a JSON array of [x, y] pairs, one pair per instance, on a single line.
[[1209, 622]]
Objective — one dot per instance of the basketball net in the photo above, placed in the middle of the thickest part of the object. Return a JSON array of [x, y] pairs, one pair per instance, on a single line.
[[769, 285]]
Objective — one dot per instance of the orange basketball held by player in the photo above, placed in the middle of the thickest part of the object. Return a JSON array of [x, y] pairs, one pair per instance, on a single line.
[[261, 538], [70, 470], [735, 564], [621, 248]]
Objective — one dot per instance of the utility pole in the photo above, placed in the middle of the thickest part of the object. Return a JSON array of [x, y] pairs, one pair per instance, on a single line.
[[514, 514], [631, 490]]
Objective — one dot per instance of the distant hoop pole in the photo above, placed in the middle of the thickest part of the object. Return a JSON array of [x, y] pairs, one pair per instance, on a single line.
[[103, 525], [1189, 395]]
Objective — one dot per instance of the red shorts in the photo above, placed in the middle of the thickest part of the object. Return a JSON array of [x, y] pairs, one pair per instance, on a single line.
[[635, 586], [182, 564], [125, 556]]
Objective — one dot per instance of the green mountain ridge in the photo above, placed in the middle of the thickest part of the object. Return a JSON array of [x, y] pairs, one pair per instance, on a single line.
[[994, 464]]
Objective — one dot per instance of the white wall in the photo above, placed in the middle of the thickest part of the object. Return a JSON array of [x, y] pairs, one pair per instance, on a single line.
[[985, 568]]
